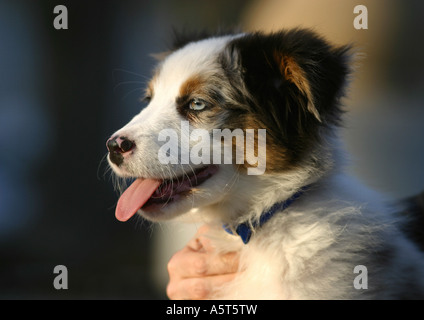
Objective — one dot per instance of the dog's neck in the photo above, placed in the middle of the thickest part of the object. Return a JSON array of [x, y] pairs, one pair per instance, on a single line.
[[246, 229]]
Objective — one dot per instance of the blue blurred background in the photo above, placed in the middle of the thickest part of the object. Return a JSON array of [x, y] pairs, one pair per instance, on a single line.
[[63, 92]]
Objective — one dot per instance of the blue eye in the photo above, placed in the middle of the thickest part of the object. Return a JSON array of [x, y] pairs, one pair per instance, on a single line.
[[197, 105]]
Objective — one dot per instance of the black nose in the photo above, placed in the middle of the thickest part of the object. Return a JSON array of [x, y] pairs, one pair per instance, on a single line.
[[118, 146], [126, 145]]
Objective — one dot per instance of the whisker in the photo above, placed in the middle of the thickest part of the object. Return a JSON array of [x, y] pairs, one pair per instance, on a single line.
[[191, 185], [116, 70], [169, 180], [119, 183], [107, 169], [122, 83], [232, 181], [130, 92]]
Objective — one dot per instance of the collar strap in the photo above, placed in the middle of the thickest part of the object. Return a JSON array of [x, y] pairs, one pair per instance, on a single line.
[[245, 229]]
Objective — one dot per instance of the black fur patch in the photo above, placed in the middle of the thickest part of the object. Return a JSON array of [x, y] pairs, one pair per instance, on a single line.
[[414, 213], [276, 98]]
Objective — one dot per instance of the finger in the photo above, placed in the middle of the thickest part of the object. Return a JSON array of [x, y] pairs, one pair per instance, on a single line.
[[197, 288], [195, 244], [222, 263], [200, 241], [187, 263], [188, 289]]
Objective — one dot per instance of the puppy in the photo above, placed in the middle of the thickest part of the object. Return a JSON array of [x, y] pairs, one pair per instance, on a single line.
[[304, 229]]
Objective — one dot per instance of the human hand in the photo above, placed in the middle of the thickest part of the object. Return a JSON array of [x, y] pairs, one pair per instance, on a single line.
[[197, 270]]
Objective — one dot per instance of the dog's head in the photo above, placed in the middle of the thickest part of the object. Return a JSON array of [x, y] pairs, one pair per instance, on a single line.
[[275, 93]]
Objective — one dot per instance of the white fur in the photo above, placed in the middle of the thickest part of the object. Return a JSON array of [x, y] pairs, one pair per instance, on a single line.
[[308, 251]]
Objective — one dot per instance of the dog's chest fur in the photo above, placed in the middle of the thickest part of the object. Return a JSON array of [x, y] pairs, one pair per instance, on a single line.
[[310, 251]]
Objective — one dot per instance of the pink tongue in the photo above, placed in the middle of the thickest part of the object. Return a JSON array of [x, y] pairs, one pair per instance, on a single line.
[[134, 197]]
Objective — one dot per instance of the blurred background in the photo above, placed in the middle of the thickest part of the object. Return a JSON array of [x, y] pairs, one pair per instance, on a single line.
[[63, 92]]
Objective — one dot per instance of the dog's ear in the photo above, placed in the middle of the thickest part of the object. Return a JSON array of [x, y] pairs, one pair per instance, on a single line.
[[294, 75], [291, 72]]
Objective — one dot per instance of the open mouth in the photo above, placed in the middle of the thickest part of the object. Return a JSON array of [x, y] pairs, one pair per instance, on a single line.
[[149, 193], [169, 189]]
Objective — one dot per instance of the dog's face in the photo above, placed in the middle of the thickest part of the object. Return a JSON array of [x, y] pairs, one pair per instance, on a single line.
[[287, 83]]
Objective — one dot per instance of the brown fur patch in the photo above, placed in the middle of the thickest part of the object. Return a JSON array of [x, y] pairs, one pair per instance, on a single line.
[[191, 88], [278, 158], [204, 88], [292, 72], [191, 85]]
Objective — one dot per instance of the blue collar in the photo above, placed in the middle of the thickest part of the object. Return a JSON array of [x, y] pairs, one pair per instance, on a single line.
[[244, 230]]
